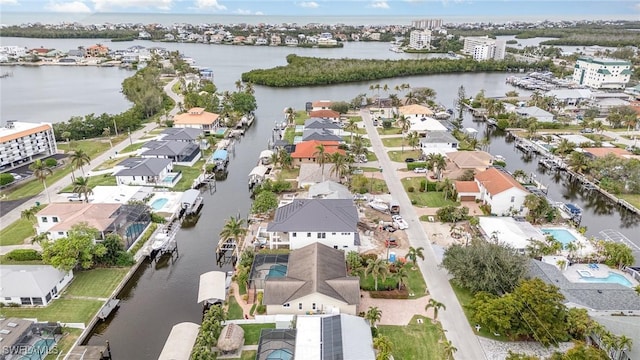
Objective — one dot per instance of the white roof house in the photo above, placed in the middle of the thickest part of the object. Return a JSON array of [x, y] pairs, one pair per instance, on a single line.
[[31, 284], [425, 124], [343, 336], [536, 112], [506, 230]]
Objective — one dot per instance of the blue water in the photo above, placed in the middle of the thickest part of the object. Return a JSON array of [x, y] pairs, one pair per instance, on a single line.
[[277, 271], [39, 350], [157, 204], [221, 131], [613, 278], [280, 354], [134, 230], [564, 236], [169, 179]]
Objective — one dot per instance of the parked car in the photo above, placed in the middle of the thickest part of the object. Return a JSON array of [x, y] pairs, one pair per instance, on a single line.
[[388, 228], [587, 131], [391, 242], [357, 171], [409, 160], [400, 222], [75, 197], [359, 197], [16, 176], [420, 170]]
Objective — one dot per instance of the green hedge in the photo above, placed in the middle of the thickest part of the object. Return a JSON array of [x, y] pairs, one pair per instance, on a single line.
[[417, 164], [6, 179], [390, 294], [144, 239], [23, 255]]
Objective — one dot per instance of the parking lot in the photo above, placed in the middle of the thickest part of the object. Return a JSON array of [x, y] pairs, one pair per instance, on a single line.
[[23, 172]]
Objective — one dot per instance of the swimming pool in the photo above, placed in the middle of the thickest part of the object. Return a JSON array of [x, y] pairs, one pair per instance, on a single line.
[[157, 204], [562, 235], [170, 178], [277, 271], [221, 131], [39, 349], [613, 278], [134, 230], [280, 354]]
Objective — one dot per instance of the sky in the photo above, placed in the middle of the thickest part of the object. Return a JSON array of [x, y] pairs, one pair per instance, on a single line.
[[626, 9]]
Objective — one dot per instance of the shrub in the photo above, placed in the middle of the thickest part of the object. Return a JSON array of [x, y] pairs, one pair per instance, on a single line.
[[416, 164], [124, 259], [155, 218], [6, 178], [366, 257], [50, 162], [260, 296], [411, 189], [23, 255], [423, 185], [144, 239], [261, 309], [390, 294], [386, 124]]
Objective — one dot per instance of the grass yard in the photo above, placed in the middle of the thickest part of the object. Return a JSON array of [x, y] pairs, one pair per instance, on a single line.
[[395, 142], [416, 284], [300, 117], [188, 175], [633, 199], [399, 156], [132, 147], [248, 355], [234, 311], [434, 199], [69, 337], [100, 180], [4, 261], [96, 282], [368, 169], [109, 164], [464, 297], [16, 232], [390, 131], [252, 332], [63, 310], [291, 173], [415, 341], [371, 156], [289, 134]]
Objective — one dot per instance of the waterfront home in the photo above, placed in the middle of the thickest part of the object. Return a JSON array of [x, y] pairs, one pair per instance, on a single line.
[[320, 135], [96, 51], [190, 135], [329, 190], [570, 97], [438, 142], [534, 112], [261, 41], [474, 160], [57, 219], [31, 285], [507, 231], [179, 152], [601, 152], [121, 194], [321, 105], [147, 172], [311, 174], [496, 188], [332, 222], [197, 118], [326, 114], [315, 282], [307, 151], [275, 40], [323, 124], [415, 112]]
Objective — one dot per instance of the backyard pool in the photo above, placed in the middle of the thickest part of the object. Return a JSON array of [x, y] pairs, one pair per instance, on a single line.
[[134, 230], [613, 278], [562, 235], [221, 131], [157, 204], [277, 271], [39, 349], [170, 178]]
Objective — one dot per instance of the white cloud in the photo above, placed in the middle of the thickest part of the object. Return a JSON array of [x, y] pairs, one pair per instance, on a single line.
[[68, 7], [243, 12], [259, 13], [209, 4], [637, 7], [8, 2], [379, 5], [309, 4], [109, 5]]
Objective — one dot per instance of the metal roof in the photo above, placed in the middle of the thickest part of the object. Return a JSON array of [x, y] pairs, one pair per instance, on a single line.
[[212, 286], [180, 342], [142, 166], [314, 215]]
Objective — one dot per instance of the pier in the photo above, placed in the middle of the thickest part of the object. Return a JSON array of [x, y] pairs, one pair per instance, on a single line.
[[108, 308]]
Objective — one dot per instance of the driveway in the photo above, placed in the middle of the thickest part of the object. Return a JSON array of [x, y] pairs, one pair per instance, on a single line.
[[453, 319]]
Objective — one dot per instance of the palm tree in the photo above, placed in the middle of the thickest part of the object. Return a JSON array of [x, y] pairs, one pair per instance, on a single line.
[[578, 162], [532, 129], [448, 349], [81, 186], [239, 85], [384, 346], [413, 139], [448, 187], [358, 147], [439, 163], [41, 172], [564, 147], [402, 277], [79, 158], [414, 254], [275, 159], [624, 343], [410, 98], [40, 238], [29, 214], [378, 269], [351, 127], [519, 174], [340, 167], [106, 132], [290, 115], [321, 157], [637, 290], [436, 305], [233, 229], [373, 315], [285, 159], [248, 88]]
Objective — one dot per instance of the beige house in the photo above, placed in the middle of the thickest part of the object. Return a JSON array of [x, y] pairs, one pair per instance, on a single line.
[[197, 118], [58, 218], [476, 160], [415, 111], [316, 282]]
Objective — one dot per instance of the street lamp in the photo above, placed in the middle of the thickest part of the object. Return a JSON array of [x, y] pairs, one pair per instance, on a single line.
[[130, 140]]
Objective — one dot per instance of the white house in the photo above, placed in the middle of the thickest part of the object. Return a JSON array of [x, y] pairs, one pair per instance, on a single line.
[[332, 222], [535, 112], [147, 172], [438, 142], [501, 191], [321, 105], [316, 282], [58, 218], [31, 285], [415, 112], [323, 124], [599, 73]]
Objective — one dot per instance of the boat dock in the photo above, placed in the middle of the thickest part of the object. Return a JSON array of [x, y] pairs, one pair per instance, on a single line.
[[108, 308]]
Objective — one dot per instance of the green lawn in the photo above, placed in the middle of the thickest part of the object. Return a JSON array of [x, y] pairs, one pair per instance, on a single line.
[[248, 355], [109, 164], [252, 332], [69, 337], [434, 199], [464, 297], [395, 142], [399, 156], [235, 311], [102, 180], [365, 141], [188, 175], [369, 169], [289, 134], [300, 117], [416, 285], [633, 199], [361, 131], [132, 147], [415, 341], [96, 282], [291, 173], [63, 310], [357, 118], [371, 156], [4, 261], [391, 131], [16, 232]]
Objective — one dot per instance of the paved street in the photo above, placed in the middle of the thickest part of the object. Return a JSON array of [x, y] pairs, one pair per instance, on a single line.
[[453, 319]]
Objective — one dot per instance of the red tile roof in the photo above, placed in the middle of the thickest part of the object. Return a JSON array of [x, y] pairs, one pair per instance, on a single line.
[[496, 181], [324, 114], [602, 152], [467, 187], [321, 103], [307, 149]]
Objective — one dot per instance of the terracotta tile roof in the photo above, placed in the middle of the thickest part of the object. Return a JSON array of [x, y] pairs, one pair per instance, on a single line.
[[324, 114], [496, 181], [415, 109], [467, 187], [22, 133], [321, 103], [602, 152], [196, 116], [96, 215], [307, 149], [470, 159]]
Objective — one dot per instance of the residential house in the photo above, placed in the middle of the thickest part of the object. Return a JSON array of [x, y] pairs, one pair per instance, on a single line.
[[58, 218], [320, 135], [321, 105], [496, 188], [316, 282], [31, 285], [467, 190], [415, 112], [327, 42], [323, 124], [147, 172], [197, 118], [535, 112], [290, 41], [96, 51], [332, 222], [311, 174], [179, 152], [306, 151], [475, 160], [261, 41], [190, 135], [439, 142], [325, 114], [570, 97], [275, 40], [329, 190], [239, 40], [601, 152]]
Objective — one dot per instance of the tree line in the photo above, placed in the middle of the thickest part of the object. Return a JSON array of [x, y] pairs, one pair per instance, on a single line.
[[305, 71], [44, 32]]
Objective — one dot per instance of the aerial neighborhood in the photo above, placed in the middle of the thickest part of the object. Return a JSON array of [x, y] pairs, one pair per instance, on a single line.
[[382, 226]]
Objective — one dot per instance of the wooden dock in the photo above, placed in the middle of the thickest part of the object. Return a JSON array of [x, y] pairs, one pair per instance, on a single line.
[[111, 305]]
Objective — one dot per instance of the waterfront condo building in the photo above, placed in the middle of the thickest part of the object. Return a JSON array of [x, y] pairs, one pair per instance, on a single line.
[[23, 142], [420, 39], [427, 24], [484, 48], [599, 73]]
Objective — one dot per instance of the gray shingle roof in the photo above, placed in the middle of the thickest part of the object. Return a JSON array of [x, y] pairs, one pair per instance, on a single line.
[[438, 137], [181, 134], [317, 123], [169, 148], [315, 268], [28, 280], [316, 215], [142, 166], [319, 134], [596, 296]]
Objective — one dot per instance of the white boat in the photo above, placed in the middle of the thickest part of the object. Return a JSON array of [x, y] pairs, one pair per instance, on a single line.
[[379, 205], [160, 240]]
